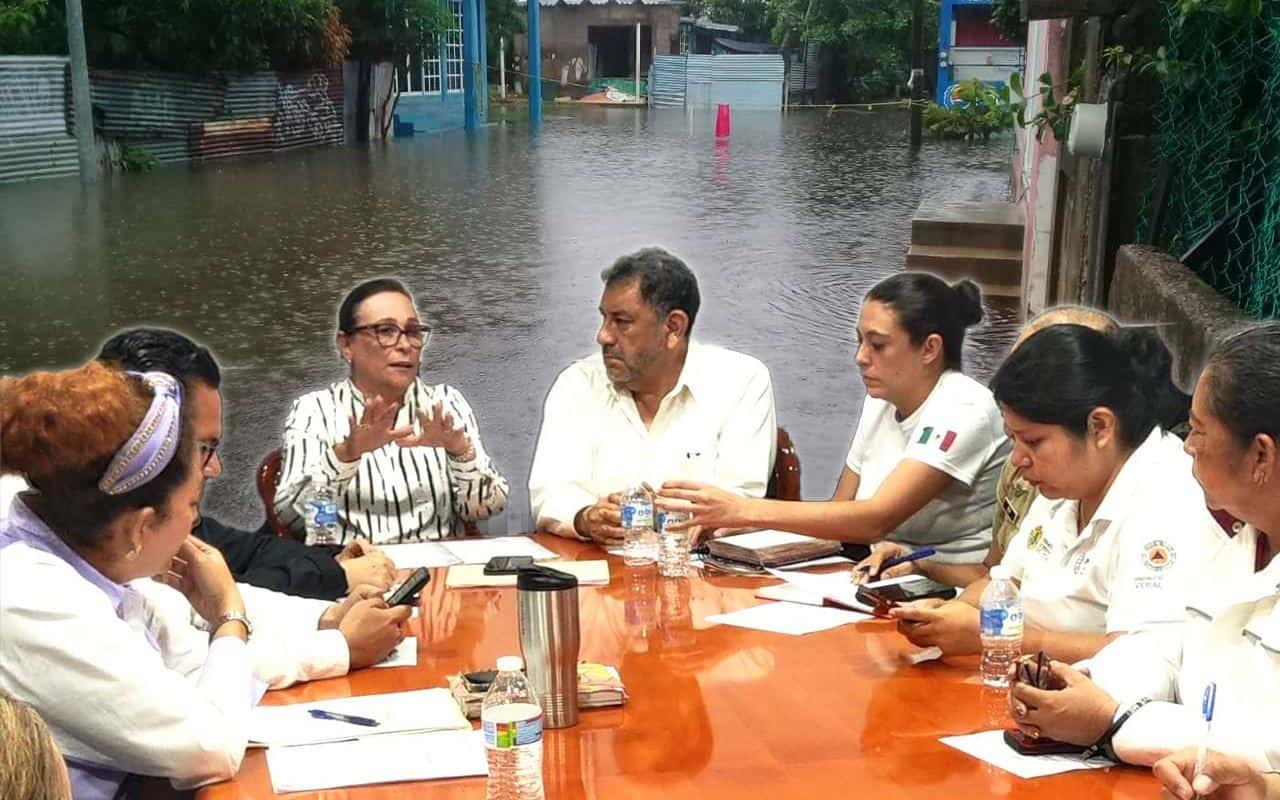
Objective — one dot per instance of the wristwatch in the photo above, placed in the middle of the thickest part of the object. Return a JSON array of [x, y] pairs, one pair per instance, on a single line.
[[234, 616], [1103, 746]]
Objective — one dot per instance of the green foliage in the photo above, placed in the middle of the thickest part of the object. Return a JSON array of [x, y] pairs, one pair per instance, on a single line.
[[1055, 112], [502, 19], [386, 30], [980, 111], [191, 35], [1006, 17], [134, 159], [25, 27]]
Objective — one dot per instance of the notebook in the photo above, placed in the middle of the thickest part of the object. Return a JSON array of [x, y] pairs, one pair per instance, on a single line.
[[772, 548]]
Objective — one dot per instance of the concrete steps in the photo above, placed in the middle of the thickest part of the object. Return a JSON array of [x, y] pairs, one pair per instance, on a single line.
[[977, 240]]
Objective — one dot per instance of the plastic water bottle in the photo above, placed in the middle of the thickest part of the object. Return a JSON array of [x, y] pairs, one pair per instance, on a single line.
[[1001, 614], [673, 546], [322, 514], [512, 723], [640, 542]]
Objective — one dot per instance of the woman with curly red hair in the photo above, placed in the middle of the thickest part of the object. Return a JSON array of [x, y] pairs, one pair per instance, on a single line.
[[124, 687]]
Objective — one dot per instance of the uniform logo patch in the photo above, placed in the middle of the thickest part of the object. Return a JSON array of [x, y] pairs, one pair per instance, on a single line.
[[942, 439], [1035, 537], [1158, 555]]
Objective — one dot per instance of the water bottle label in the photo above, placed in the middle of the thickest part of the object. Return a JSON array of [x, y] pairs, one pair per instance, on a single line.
[[505, 735], [1001, 621], [326, 513], [637, 515]]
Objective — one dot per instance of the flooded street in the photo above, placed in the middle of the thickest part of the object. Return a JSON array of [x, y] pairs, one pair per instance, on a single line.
[[502, 238]]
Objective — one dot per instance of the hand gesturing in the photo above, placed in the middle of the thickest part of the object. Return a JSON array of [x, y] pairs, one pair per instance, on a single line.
[[437, 430], [375, 429]]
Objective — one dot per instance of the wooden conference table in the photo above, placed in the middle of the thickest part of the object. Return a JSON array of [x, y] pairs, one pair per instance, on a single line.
[[715, 711]]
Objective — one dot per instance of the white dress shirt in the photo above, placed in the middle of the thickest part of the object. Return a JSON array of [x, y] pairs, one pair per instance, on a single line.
[[716, 425], [124, 686], [1231, 635], [958, 431], [1134, 564], [394, 493]]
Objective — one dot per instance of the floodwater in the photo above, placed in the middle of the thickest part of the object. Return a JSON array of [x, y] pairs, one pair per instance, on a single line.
[[502, 236]]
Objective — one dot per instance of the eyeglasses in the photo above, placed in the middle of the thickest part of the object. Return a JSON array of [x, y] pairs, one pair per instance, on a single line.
[[388, 333], [208, 450]]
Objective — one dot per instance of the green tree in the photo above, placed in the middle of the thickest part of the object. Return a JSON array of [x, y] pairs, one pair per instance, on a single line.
[[387, 30]]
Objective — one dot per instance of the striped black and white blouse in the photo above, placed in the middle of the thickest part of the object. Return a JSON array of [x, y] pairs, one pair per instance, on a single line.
[[394, 493]]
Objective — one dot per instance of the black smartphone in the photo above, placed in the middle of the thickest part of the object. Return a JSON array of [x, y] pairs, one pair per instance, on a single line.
[[907, 591], [1027, 746], [507, 565], [405, 592], [880, 604], [479, 681]]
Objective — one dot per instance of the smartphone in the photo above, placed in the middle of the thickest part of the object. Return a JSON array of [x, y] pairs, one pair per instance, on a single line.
[[907, 591], [507, 565], [1027, 746], [879, 604], [407, 591], [479, 681]]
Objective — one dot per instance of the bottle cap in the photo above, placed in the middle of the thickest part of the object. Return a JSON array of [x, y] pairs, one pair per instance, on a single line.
[[1001, 573], [510, 663]]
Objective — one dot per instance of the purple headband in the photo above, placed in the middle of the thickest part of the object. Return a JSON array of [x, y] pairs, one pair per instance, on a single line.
[[151, 447]]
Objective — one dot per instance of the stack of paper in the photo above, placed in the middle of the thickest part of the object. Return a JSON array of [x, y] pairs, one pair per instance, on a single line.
[[379, 759], [450, 552], [398, 712], [599, 686], [772, 548], [990, 746], [464, 576]]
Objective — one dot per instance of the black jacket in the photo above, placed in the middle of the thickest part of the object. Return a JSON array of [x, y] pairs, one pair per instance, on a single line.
[[263, 559]]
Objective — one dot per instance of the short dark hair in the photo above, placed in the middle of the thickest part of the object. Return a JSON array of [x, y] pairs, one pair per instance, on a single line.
[[162, 350], [1059, 375], [924, 305], [347, 311], [1243, 382], [666, 283]]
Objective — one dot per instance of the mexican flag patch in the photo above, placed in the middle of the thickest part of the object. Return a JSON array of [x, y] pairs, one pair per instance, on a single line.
[[942, 439]]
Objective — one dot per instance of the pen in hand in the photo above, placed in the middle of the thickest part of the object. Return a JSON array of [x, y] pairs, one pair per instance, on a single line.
[[347, 718], [893, 562], [1206, 708]]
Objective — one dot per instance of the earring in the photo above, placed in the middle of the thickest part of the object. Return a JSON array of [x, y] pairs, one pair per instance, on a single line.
[[133, 553]]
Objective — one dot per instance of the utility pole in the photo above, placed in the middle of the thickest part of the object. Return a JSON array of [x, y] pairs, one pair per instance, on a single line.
[[80, 96], [535, 64], [917, 72]]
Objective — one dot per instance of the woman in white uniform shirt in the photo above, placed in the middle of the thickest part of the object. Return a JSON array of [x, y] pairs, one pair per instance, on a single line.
[[1143, 701], [405, 457], [1106, 548], [117, 489], [928, 449]]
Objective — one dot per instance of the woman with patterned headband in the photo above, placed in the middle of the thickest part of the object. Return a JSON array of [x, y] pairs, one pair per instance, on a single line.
[[125, 687]]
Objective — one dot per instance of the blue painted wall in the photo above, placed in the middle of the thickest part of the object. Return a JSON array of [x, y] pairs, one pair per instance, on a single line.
[[431, 113]]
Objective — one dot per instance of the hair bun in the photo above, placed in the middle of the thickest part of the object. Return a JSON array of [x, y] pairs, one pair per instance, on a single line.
[[969, 302]]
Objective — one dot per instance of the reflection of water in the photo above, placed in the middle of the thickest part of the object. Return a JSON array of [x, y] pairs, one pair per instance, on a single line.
[[503, 239]]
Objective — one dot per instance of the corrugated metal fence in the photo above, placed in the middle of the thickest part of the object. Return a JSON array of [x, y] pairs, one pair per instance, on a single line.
[[700, 81], [174, 117], [34, 139]]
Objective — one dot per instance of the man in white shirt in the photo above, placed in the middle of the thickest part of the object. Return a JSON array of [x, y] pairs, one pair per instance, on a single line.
[[651, 406]]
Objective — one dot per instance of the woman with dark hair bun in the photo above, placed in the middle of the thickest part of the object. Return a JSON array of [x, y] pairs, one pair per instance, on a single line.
[[1112, 543], [928, 450], [1141, 699]]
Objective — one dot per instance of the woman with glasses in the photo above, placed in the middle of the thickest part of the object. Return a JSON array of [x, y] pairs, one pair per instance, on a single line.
[[404, 457]]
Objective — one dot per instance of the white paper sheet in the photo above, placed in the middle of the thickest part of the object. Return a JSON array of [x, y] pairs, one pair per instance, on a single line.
[[479, 551], [818, 562], [419, 554], [398, 712], [793, 619], [758, 540], [989, 746], [466, 576], [405, 654], [381, 759], [833, 585]]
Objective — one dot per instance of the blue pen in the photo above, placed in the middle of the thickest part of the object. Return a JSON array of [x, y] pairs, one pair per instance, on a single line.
[[336, 717], [893, 562], [1206, 709]]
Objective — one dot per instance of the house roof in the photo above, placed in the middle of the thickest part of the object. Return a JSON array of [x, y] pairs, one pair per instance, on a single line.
[[735, 46], [708, 25]]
